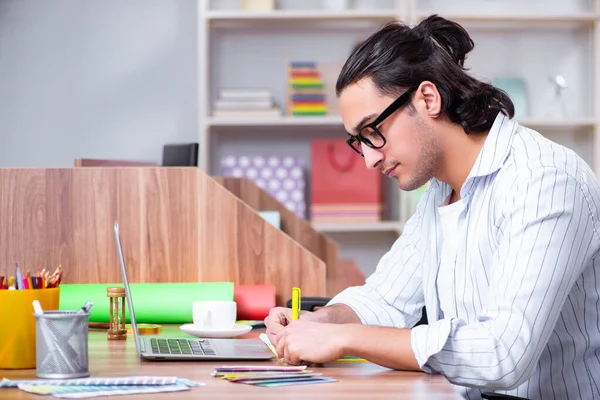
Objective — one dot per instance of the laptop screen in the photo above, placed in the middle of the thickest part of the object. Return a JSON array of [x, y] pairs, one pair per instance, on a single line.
[[127, 291]]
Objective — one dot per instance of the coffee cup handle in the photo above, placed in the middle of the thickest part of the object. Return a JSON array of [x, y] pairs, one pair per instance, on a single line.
[[206, 318]]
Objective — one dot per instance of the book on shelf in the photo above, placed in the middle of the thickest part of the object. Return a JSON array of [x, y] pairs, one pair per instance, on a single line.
[[243, 102], [238, 94], [267, 113], [343, 219], [306, 90]]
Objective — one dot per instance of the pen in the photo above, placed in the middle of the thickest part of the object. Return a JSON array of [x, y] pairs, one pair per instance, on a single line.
[[295, 303], [265, 340], [19, 278]]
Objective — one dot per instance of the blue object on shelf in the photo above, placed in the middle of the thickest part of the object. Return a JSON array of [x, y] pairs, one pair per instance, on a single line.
[[515, 88], [272, 217]]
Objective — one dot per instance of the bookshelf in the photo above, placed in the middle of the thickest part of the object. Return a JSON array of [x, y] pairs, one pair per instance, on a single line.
[[301, 15], [527, 38], [537, 18], [386, 226], [538, 124]]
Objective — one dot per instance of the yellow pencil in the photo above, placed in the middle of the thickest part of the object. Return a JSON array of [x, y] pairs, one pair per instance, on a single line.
[[350, 359], [295, 303]]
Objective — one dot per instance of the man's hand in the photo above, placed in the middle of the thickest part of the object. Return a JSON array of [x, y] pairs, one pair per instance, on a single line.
[[309, 341], [278, 318]]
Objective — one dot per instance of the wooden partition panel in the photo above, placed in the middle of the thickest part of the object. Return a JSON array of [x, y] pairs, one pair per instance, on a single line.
[[177, 225], [297, 228], [96, 162], [347, 273]]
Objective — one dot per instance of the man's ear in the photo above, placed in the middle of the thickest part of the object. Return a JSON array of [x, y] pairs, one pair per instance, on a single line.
[[428, 99]]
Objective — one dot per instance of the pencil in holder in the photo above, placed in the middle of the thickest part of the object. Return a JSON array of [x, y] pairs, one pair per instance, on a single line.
[[62, 344], [18, 332]]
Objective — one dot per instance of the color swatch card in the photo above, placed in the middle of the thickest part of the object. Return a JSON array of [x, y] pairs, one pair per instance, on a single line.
[[270, 376], [260, 368], [81, 392], [290, 382], [95, 387]]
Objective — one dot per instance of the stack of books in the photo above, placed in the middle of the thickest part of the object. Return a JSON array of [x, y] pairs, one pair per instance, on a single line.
[[233, 103], [346, 213], [306, 90]]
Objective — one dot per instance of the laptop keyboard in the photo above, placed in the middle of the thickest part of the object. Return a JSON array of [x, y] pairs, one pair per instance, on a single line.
[[181, 346]]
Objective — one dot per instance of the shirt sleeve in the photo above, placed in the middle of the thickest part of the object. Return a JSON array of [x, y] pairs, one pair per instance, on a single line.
[[393, 295], [547, 237]]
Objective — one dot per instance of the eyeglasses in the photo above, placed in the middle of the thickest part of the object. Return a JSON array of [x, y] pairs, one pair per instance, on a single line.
[[370, 134]]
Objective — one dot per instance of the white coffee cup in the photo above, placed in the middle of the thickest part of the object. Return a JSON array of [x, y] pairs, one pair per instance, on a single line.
[[214, 314]]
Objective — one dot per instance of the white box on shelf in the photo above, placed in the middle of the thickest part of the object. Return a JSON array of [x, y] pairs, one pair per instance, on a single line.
[[258, 5]]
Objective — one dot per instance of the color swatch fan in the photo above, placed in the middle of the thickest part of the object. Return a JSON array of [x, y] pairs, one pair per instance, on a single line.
[[306, 90], [270, 375]]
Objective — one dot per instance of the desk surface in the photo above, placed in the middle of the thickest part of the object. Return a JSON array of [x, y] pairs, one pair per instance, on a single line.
[[356, 380]]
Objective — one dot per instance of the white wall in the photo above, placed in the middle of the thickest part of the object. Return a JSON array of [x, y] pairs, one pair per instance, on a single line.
[[95, 79], [117, 79]]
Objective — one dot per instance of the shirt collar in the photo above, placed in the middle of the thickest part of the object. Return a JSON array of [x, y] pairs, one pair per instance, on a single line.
[[493, 154], [496, 147]]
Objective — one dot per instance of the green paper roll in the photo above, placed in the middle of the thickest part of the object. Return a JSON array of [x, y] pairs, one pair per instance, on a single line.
[[158, 303]]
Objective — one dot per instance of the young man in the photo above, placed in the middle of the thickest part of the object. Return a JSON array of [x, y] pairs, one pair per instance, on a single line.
[[502, 249]]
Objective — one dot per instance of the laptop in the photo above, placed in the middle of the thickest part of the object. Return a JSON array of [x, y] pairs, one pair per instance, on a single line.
[[160, 348]]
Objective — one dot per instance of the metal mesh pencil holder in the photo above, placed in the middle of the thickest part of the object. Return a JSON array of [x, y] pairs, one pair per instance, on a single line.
[[62, 344]]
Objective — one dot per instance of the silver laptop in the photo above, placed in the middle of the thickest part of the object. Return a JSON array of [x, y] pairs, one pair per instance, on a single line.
[[158, 348]]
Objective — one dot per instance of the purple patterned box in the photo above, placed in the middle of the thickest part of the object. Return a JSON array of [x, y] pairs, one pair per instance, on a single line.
[[280, 176]]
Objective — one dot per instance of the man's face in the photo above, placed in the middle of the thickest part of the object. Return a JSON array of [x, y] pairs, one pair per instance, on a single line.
[[412, 154]]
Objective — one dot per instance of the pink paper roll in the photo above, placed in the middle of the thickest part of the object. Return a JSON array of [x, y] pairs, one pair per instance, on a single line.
[[254, 301]]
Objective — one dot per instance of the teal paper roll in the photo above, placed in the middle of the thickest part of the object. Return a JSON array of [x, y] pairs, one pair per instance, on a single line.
[[159, 303]]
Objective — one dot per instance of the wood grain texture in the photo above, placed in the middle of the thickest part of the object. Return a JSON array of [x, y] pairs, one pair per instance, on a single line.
[[177, 225], [297, 228], [346, 273], [354, 380]]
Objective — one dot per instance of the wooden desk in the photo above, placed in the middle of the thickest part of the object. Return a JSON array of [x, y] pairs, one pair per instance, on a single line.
[[355, 380]]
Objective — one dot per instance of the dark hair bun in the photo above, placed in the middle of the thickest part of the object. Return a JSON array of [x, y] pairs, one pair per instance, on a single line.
[[448, 35]]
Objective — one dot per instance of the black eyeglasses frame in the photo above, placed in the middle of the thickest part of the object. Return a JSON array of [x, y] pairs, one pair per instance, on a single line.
[[392, 108]]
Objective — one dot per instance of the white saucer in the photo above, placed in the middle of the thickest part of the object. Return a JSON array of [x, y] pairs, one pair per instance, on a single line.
[[235, 330]]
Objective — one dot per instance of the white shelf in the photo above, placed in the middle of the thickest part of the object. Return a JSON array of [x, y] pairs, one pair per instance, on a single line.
[[387, 15], [580, 17], [303, 15], [489, 29], [277, 121], [333, 120], [567, 124], [384, 226]]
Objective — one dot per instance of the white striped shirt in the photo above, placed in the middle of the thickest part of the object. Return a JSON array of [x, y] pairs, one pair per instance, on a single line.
[[525, 314]]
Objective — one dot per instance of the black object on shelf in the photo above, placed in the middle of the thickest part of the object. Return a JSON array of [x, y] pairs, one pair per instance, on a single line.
[[180, 155]]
